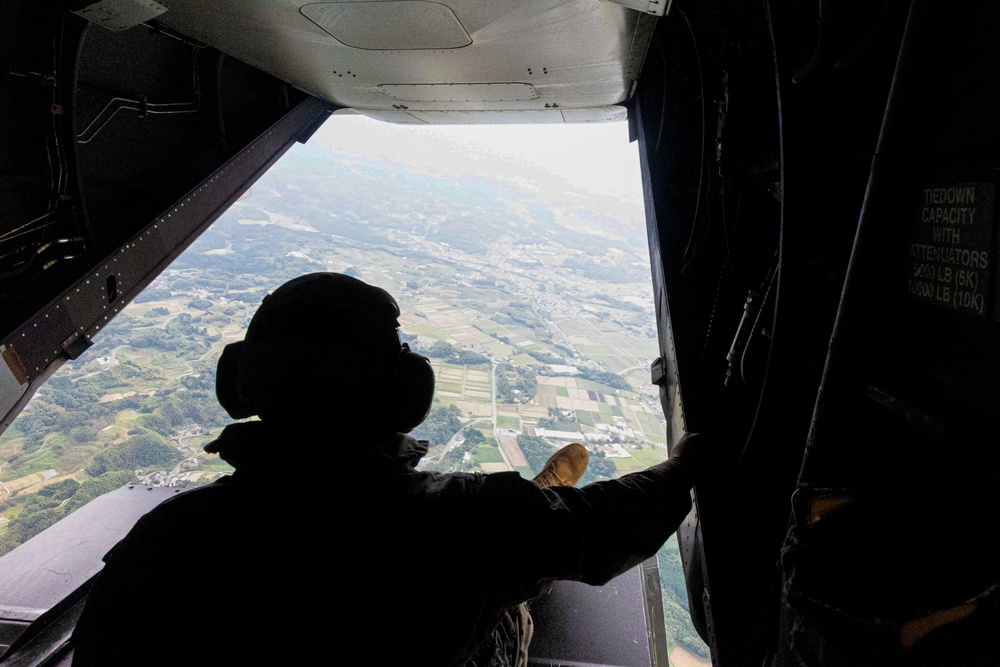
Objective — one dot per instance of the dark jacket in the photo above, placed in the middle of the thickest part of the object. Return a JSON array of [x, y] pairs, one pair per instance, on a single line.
[[359, 555]]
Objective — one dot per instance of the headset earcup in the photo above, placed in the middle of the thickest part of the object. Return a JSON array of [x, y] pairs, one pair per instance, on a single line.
[[251, 377], [414, 383], [226, 387]]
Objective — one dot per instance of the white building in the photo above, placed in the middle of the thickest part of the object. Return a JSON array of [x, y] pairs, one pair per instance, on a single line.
[[575, 436]]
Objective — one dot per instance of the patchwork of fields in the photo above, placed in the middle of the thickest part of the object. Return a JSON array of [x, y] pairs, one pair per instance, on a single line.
[[626, 424]]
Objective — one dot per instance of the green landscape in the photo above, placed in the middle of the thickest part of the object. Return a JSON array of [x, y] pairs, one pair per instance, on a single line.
[[536, 340]]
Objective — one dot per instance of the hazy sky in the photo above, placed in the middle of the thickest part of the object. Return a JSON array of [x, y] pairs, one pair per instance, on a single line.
[[595, 156]]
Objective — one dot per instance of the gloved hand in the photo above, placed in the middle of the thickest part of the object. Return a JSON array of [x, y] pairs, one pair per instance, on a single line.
[[412, 448], [697, 453]]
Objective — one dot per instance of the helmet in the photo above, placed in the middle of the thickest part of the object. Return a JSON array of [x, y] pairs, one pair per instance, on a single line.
[[326, 341]]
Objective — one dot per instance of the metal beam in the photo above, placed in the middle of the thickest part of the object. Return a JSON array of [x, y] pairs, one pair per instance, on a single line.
[[66, 326]]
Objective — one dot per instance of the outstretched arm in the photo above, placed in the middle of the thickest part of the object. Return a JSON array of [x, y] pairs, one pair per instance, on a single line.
[[593, 534], [628, 519]]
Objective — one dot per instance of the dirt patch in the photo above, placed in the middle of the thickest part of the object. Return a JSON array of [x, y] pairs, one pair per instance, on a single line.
[[203, 476], [508, 443], [681, 658], [34, 482], [107, 398], [25, 482], [475, 408]]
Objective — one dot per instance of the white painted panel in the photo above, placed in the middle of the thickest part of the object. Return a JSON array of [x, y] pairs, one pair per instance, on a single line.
[[574, 54], [599, 115], [460, 92], [118, 15], [389, 25], [654, 7], [607, 114]]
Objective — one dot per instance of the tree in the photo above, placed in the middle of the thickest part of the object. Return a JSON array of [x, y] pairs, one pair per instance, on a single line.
[[146, 450], [60, 490], [445, 351], [473, 437], [155, 423], [545, 357], [612, 380], [441, 349], [536, 450], [153, 295], [673, 590], [599, 467], [527, 384], [441, 424]]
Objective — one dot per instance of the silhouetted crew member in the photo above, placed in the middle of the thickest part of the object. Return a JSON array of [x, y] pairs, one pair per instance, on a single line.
[[327, 542]]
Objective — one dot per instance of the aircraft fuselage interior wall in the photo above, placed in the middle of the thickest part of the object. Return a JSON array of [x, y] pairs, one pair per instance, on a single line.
[[819, 182]]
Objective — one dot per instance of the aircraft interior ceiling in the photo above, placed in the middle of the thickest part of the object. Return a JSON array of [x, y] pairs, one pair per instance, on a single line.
[[819, 182], [458, 61], [122, 109]]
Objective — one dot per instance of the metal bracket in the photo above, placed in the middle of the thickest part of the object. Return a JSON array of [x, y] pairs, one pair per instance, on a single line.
[[654, 7], [118, 15], [658, 372], [75, 345]]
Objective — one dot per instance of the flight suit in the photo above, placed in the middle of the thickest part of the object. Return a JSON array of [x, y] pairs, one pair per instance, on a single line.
[[295, 562]]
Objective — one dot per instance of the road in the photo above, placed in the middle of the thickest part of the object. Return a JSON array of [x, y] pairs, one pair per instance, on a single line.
[[455, 439], [493, 391], [4, 491], [112, 361], [187, 451]]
